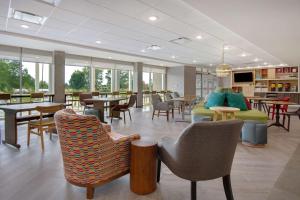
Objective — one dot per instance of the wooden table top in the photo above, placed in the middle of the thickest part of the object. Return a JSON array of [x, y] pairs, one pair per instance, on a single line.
[[26, 106], [224, 109], [263, 98], [106, 99], [28, 95]]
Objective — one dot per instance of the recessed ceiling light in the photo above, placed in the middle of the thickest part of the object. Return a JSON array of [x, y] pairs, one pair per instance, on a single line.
[[173, 57], [154, 47], [210, 64], [194, 61], [109, 57], [24, 26], [265, 63], [244, 55], [98, 42], [199, 37], [226, 47], [143, 50], [153, 18], [256, 60]]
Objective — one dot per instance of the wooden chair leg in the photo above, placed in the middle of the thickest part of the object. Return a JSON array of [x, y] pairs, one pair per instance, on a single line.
[[158, 113], [193, 190], [90, 192], [153, 114], [173, 113], [42, 138], [158, 170], [227, 187]]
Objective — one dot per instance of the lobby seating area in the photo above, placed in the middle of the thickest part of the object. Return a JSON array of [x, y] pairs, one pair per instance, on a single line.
[[149, 100]]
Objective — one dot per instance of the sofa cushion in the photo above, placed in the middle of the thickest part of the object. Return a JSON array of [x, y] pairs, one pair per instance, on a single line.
[[215, 99], [242, 115], [236, 100]]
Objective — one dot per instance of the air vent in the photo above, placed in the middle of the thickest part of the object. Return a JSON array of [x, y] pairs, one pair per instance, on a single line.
[[27, 17], [181, 40]]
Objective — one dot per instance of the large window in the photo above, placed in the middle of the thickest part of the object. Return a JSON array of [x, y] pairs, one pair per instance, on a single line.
[[124, 80], [77, 78], [147, 81], [9, 76], [35, 77], [103, 78]]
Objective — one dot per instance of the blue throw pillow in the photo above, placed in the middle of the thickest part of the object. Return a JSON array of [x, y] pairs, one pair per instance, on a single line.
[[236, 100], [215, 99]]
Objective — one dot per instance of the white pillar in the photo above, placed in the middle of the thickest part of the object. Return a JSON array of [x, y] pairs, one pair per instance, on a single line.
[[138, 71], [92, 75]]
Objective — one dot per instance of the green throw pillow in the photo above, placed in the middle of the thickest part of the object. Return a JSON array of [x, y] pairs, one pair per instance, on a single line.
[[215, 99], [236, 100]]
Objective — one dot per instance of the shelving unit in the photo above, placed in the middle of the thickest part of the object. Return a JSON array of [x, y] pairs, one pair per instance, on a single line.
[[284, 81]]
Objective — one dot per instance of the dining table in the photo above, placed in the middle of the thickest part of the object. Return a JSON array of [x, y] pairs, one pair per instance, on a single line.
[[278, 105], [184, 101], [262, 100], [99, 102], [11, 119], [49, 95]]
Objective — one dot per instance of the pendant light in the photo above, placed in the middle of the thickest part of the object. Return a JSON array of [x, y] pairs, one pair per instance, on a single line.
[[223, 70]]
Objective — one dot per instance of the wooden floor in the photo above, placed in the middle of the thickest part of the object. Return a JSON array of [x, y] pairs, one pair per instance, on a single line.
[[29, 174]]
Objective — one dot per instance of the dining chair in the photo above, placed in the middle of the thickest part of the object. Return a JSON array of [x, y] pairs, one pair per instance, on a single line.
[[283, 108], [124, 107], [75, 99], [92, 154], [288, 115], [38, 127], [95, 94], [82, 97], [36, 97], [202, 152], [160, 106], [177, 104], [115, 93], [5, 98]]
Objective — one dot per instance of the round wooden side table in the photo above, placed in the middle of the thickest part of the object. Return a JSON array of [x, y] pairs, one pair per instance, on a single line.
[[143, 166], [224, 111]]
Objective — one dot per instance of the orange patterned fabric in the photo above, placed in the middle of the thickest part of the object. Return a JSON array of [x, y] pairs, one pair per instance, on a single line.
[[89, 152]]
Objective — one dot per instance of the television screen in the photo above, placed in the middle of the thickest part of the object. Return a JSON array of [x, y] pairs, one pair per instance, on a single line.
[[243, 77]]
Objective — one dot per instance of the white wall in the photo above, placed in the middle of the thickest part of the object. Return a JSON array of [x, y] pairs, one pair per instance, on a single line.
[[175, 79]]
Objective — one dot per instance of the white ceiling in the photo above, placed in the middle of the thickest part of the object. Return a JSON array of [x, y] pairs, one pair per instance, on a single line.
[[273, 25], [123, 26]]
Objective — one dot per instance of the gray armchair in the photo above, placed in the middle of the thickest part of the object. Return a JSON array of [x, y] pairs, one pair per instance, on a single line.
[[203, 151], [160, 106]]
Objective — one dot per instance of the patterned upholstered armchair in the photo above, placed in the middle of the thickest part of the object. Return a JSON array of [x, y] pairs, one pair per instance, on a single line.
[[92, 154]]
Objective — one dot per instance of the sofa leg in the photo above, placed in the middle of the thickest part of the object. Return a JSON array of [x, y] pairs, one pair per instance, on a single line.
[[90, 192], [193, 190], [227, 187], [158, 170]]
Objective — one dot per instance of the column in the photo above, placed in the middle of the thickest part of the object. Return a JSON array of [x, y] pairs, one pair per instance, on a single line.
[[37, 77], [189, 81], [115, 75], [138, 77], [59, 76]]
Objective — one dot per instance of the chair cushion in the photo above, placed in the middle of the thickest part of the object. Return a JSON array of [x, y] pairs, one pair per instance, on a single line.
[[236, 100], [215, 99], [44, 122]]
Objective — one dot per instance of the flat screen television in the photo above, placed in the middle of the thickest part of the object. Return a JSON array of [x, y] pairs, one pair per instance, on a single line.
[[243, 77]]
